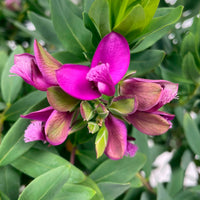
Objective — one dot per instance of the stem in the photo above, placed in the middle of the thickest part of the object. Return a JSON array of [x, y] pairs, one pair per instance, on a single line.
[[72, 156], [145, 183]]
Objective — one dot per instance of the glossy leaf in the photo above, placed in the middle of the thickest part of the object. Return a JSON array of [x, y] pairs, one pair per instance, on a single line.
[[75, 192], [90, 183], [192, 133], [10, 86], [132, 23], [119, 171], [45, 28], [75, 37], [146, 61], [163, 193], [24, 103], [112, 190], [50, 183], [10, 182], [157, 28], [99, 13], [190, 69], [13, 144], [41, 161]]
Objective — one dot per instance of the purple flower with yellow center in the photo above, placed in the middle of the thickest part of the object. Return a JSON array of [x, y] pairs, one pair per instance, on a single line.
[[37, 70], [109, 64]]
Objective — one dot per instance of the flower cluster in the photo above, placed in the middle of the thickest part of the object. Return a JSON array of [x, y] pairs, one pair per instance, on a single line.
[[74, 90]]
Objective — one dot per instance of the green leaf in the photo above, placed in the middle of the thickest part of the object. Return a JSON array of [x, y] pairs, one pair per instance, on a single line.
[[192, 133], [35, 162], [4, 57], [112, 190], [24, 103], [60, 100], [190, 44], [157, 28], [188, 194], [99, 13], [10, 182], [89, 24], [136, 182], [75, 192], [162, 193], [45, 28], [190, 69], [10, 86], [47, 185], [142, 143], [3, 196], [133, 22], [146, 61], [68, 57], [101, 141], [70, 28], [119, 171], [88, 159], [122, 106], [176, 182], [90, 183], [13, 144]]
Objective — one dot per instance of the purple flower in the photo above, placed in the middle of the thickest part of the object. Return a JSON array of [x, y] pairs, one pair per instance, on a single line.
[[48, 125], [109, 64], [38, 70], [150, 96], [117, 145]]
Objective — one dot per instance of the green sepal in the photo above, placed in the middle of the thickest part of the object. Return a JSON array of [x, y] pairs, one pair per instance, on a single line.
[[60, 100], [101, 110], [101, 141], [78, 125], [93, 127], [122, 106], [87, 112]]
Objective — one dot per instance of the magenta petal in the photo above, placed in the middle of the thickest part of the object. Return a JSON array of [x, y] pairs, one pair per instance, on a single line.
[[147, 94], [72, 79], [101, 75], [117, 138], [22, 66], [149, 123], [114, 50], [131, 149], [57, 127], [46, 64], [34, 132], [168, 93], [25, 67], [40, 115]]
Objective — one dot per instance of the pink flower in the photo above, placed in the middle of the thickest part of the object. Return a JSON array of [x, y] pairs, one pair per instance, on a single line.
[[109, 64], [38, 70], [150, 96], [14, 5], [49, 125], [117, 145]]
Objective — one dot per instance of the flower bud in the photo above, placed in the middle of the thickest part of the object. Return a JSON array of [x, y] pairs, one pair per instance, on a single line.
[[87, 111]]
